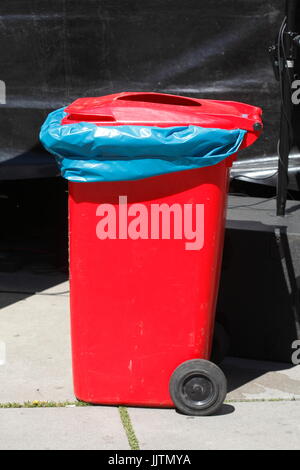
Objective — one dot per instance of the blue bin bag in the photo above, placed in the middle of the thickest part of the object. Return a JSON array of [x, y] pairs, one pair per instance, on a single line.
[[86, 152]]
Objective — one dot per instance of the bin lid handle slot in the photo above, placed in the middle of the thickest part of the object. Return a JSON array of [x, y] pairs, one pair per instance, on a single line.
[[90, 117], [159, 98]]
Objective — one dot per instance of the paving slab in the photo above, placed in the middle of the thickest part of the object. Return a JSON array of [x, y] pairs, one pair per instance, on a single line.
[[238, 426], [35, 358], [34, 331], [260, 380], [88, 428]]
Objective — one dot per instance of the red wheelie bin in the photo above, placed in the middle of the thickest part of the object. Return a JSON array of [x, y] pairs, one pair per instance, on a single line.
[[146, 249]]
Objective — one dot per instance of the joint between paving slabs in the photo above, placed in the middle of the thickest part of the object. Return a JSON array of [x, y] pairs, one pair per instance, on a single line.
[[65, 404], [128, 427]]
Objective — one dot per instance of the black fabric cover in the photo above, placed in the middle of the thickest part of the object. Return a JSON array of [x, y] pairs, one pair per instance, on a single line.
[[54, 51]]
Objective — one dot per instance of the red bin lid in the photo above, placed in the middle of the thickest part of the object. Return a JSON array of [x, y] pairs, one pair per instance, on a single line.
[[164, 110]]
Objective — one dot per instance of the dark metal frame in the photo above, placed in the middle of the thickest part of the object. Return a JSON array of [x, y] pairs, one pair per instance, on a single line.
[[286, 52]]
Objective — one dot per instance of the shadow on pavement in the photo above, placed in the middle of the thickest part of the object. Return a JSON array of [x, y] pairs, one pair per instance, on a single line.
[[240, 372], [224, 410], [33, 237]]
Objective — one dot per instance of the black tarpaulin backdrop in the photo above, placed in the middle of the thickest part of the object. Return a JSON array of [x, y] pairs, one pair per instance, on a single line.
[[54, 51]]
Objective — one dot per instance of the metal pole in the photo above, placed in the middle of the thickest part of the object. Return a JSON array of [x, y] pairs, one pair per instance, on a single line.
[[286, 46]]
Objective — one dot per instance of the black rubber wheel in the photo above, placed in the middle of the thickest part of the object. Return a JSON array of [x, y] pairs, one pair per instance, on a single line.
[[221, 344], [198, 387]]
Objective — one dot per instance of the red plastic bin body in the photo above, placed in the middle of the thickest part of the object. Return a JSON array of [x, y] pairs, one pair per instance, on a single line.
[[142, 306]]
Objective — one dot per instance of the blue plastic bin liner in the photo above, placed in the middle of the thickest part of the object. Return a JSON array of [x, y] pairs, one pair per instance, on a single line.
[[86, 152]]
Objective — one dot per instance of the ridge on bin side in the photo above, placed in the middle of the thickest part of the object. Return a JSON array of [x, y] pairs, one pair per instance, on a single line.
[[129, 136]]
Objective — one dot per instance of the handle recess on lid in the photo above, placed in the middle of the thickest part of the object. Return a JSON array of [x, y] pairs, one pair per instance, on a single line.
[[90, 117], [159, 98]]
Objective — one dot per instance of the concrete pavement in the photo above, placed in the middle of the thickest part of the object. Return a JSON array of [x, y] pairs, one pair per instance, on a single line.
[[35, 330], [88, 428], [238, 426], [36, 366]]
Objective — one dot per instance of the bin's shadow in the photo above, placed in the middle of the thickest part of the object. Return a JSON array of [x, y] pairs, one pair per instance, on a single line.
[[226, 409], [240, 372]]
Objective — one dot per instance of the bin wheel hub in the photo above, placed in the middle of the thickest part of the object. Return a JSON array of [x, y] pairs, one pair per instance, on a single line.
[[198, 390]]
